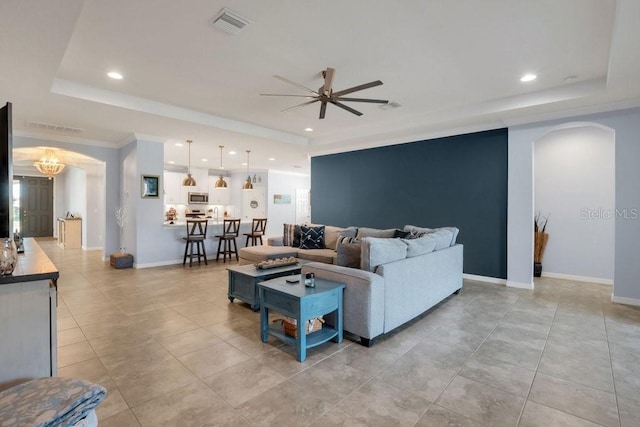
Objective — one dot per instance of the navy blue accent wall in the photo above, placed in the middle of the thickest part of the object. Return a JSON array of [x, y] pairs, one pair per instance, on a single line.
[[455, 181]]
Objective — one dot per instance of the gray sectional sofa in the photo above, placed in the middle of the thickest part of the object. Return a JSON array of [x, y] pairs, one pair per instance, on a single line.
[[397, 280]]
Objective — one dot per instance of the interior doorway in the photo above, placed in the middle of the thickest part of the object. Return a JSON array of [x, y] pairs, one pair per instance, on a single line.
[[33, 206]]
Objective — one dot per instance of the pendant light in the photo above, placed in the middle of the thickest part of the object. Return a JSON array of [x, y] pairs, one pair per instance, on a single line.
[[248, 185], [189, 181], [221, 183]]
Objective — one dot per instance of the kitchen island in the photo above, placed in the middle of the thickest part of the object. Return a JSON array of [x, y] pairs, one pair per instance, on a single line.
[[28, 300]]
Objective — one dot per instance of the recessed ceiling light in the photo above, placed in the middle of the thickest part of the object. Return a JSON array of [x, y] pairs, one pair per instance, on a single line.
[[244, 163], [178, 144], [171, 162], [308, 130], [205, 160], [528, 78], [297, 166], [115, 75], [272, 158], [232, 153]]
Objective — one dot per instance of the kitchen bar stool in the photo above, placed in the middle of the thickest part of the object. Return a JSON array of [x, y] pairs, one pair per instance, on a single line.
[[196, 233], [230, 230], [258, 227]]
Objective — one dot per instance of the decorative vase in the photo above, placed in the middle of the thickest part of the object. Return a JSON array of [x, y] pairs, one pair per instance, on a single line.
[[537, 269], [8, 256]]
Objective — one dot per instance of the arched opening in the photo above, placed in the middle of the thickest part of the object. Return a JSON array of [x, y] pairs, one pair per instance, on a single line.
[[78, 190], [574, 193]]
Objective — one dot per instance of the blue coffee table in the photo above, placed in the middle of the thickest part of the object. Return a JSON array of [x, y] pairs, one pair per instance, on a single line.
[[301, 303]]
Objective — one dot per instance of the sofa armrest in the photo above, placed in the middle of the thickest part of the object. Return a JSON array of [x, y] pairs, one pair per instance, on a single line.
[[363, 308], [275, 241]]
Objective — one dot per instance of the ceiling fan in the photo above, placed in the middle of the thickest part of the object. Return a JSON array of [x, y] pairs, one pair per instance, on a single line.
[[325, 95]]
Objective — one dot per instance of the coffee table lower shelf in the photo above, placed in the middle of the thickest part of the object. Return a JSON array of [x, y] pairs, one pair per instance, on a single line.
[[313, 339]]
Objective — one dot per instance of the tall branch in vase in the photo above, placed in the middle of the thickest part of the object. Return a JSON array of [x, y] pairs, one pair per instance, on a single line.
[[122, 219]]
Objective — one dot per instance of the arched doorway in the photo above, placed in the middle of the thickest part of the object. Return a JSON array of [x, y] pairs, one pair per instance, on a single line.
[[574, 188], [78, 190]]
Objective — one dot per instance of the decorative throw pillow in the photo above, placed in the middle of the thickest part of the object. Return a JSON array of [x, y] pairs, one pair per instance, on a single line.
[[420, 246], [342, 239], [401, 234], [377, 251], [312, 237], [348, 254], [291, 235]]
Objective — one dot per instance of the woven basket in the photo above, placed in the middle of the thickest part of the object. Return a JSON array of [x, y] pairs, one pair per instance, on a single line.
[[312, 325]]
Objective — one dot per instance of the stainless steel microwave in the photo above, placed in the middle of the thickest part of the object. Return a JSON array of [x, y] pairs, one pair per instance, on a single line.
[[198, 198]]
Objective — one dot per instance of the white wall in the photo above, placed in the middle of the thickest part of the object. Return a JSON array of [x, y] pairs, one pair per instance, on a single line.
[[95, 217], [75, 191], [283, 183], [574, 172]]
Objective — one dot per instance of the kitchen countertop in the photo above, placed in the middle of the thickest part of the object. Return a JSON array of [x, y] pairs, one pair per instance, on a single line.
[[211, 221], [33, 265]]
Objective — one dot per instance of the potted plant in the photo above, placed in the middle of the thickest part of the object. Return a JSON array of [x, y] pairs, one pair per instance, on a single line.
[[540, 238]]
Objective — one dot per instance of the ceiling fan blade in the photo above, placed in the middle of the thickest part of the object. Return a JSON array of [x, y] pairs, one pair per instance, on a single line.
[[323, 109], [328, 81], [357, 88], [280, 94], [296, 84], [375, 101], [346, 107], [295, 107]]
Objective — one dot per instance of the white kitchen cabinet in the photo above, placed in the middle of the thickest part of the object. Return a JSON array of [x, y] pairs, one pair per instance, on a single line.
[[172, 184], [219, 196]]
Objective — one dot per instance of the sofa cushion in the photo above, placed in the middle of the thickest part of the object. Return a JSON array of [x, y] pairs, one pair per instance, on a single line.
[[443, 238], [421, 231], [327, 256], [291, 235], [312, 237], [374, 232], [347, 239], [331, 235], [253, 254], [376, 251], [420, 246], [348, 254]]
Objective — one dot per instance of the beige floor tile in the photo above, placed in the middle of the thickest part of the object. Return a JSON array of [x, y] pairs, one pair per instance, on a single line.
[[74, 353], [122, 419], [536, 415], [188, 342], [112, 404], [482, 403], [193, 405], [91, 370], [501, 375], [70, 336], [285, 404], [243, 381], [437, 416], [65, 323], [132, 360], [579, 400], [212, 359], [422, 378], [379, 403], [337, 418], [153, 382]]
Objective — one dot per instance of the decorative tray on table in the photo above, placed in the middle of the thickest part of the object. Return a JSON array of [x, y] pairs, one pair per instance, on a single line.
[[273, 263]]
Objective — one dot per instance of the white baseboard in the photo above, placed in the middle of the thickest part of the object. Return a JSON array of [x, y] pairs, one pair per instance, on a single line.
[[486, 279], [578, 278], [157, 264], [519, 285], [624, 300], [92, 248]]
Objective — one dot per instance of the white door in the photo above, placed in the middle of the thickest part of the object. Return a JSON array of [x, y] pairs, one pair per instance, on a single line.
[[254, 204], [303, 207]]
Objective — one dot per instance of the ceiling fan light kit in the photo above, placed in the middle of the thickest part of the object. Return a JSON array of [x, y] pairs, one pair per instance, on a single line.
[[325, 95]]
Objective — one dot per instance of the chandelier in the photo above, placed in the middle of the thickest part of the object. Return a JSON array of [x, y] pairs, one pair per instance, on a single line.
[[49, 164]]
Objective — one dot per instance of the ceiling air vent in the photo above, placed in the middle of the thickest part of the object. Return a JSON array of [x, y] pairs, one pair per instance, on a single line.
[[57, 128], [229, 22]]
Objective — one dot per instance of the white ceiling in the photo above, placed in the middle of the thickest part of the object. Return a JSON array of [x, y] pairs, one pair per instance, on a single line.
[[453, 66]]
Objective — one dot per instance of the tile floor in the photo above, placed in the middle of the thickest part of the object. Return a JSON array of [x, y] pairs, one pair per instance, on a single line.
[[172, 350]]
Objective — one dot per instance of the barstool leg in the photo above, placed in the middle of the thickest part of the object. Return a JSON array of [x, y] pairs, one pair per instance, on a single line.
[[186, 247], [204, 253], [235, 250], [218, 254]]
